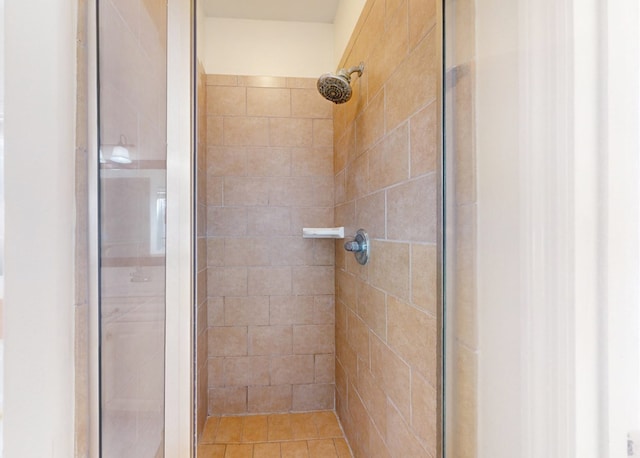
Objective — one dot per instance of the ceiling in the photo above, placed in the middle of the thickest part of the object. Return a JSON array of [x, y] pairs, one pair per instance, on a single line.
[[273, 10]]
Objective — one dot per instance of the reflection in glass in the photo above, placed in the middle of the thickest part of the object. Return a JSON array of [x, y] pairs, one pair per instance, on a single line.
[[132, 111]]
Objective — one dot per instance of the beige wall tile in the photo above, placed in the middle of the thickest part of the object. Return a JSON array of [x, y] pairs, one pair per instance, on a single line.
[[215, 251], [344, 149], [214, 131], [392, 374], [243, 131], [424, 277], [313, 280], [262, 81], [268, 399], [214, 190], [346, 289], [317, 161], [400, 440], [270, 340], [215, 311], [377, 446], [391, 50], [226, 161], [390, 270], [372, 308], [268, 221], [269, 102], [269, 162], [292, 369], [247, 310], [246, 370], [222, 80], [412, 210], [424, 140], [323, 133], [308, 103], [286, 310], [340, 187], [267, 281], [341, 384], [246, 191], [323, 252], [373, 398], [226, 221], [228, 400], [312, 339], [291, 132], [389, 159], [313, 397], [358, 335], [301, 83], [324, 309], [290, 251], [413, 84], [226, 101], [412, 334], [370, 124], [371, 214], [227, 281], [424, 403], [324, 371], [228, 341], [246, 251], [358, 177], [215, 369], [362, 422]]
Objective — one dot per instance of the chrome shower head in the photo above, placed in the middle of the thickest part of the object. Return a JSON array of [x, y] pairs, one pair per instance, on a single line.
[[337, 87]]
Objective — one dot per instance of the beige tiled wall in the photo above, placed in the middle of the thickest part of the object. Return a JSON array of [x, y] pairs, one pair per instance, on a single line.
[[270, 292], [387, 157], [202, 372]]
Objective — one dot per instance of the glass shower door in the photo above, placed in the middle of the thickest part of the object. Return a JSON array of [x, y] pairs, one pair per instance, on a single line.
[[132, 184]]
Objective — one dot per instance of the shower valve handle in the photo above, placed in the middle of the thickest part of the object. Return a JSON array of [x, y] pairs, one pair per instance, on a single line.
[[359, 246], [353, 246]]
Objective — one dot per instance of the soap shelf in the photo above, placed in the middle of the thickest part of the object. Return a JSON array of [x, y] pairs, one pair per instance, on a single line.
[[323, 232]]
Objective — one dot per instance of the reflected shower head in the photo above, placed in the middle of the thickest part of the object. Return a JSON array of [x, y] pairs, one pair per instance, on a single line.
[[336, 87]]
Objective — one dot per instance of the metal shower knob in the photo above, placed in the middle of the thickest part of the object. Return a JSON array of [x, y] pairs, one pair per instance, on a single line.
[[359, 246]]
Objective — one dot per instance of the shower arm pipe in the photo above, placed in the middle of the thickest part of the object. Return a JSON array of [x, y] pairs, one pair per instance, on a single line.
[[354, 69]]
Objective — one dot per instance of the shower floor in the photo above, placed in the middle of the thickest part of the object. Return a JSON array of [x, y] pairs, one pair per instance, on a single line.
[[296, 435]]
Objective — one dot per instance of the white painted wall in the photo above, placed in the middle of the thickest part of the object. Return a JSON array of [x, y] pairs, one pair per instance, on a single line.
[[272, 48], [40, 140], [345, 21], [558, 112]]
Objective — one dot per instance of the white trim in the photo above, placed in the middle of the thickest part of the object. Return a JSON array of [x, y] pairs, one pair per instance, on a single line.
[[621, 268], [39, 178], [180, 234], [546, 296], [586, 214]]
